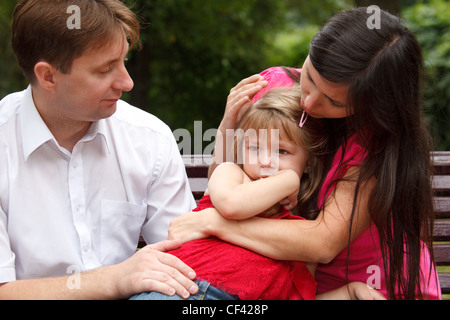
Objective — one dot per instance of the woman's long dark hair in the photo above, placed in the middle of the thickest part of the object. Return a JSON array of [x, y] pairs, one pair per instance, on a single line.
[[383, 70]]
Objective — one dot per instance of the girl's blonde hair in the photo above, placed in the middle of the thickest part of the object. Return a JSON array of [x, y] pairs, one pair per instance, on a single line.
[[281, 109]]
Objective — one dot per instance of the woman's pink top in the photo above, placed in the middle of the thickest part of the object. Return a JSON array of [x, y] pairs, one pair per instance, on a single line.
[[365, 261]]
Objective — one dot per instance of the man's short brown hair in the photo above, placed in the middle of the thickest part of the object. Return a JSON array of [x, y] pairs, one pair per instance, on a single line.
[[40, 31]]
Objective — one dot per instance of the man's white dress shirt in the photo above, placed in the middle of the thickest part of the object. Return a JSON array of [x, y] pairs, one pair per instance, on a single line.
[[62, 212]]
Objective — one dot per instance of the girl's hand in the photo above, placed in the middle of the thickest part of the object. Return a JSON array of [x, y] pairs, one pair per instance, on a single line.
[[361, 291], [289, 203], [352, 291], [291, 178]]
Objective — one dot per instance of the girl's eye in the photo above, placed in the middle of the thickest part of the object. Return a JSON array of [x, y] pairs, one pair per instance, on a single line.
[[253, 148], [282, 151]]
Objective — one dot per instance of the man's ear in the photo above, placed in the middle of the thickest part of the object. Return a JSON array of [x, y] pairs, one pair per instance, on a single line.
[[45, 75]]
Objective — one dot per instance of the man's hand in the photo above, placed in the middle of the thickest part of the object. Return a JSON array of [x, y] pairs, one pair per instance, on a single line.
[[151, 269]]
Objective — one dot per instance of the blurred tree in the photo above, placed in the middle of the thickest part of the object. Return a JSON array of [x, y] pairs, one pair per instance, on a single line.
[[11, 76], [430, 23], [194, 52], [393, 6]]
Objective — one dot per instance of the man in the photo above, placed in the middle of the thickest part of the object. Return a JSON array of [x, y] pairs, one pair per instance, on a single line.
[[84, 173]]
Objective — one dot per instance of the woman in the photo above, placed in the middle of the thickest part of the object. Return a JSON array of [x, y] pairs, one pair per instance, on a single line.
[[371, 219]]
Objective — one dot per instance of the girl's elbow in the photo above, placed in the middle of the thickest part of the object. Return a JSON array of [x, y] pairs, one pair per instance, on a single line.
[[229, 210], [231, 213]]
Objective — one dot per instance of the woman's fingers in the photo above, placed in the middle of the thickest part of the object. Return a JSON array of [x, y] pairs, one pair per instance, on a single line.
[[240, 100]]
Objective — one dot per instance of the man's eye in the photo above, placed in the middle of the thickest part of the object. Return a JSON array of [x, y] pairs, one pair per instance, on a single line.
[[106, 71]]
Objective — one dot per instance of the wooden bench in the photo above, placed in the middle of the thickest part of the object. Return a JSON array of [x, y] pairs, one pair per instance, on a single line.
[[197, 171], [441, 234]]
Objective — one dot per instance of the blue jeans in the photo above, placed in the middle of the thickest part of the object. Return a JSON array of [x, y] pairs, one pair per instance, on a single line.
[[205, 292]]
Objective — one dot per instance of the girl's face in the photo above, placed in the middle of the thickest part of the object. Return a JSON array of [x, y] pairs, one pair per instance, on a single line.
[[265, 156], [321, 98]]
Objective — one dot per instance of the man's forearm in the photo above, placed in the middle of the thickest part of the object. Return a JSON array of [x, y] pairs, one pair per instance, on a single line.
[[149, 269], [95, 284]]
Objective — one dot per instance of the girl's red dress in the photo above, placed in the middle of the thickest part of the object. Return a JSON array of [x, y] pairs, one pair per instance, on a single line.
[[244, 273]]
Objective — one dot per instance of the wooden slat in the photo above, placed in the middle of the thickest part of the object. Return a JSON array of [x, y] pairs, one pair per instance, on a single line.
[[441, 230], [442, 254], [444, 281], [441, 185], [442, 207], [441, 162], [197, 165]]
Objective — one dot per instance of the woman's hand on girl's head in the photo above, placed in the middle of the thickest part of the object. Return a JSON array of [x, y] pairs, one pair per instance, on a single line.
[[240, 100]]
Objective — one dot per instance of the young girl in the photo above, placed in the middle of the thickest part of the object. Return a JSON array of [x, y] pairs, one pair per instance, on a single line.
[[270, 172]]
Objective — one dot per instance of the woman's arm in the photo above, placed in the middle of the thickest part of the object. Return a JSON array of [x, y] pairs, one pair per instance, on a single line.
[[317, 240], [236, 197]]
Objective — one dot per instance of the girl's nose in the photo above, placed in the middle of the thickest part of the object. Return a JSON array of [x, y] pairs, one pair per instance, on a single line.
[[265, 159]]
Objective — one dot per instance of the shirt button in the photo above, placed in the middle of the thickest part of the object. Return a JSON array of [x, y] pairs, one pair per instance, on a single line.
[[77, 208], [85, 248], [75, 165]]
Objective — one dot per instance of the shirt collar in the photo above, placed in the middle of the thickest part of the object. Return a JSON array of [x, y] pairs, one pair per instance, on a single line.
[[35, 132], [98, 128]]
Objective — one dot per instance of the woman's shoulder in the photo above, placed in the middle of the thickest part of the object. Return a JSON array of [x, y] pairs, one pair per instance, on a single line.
[[355, 150]]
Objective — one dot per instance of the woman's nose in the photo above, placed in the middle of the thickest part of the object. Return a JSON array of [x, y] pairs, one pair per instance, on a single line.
[[310, 100]]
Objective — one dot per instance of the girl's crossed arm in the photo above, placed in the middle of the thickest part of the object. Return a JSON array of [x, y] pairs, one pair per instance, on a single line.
[[236, 197]]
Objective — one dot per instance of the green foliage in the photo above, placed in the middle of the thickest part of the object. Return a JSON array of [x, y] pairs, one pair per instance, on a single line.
[[291, 47], [11, 77], [430, 23], [194, 52]]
